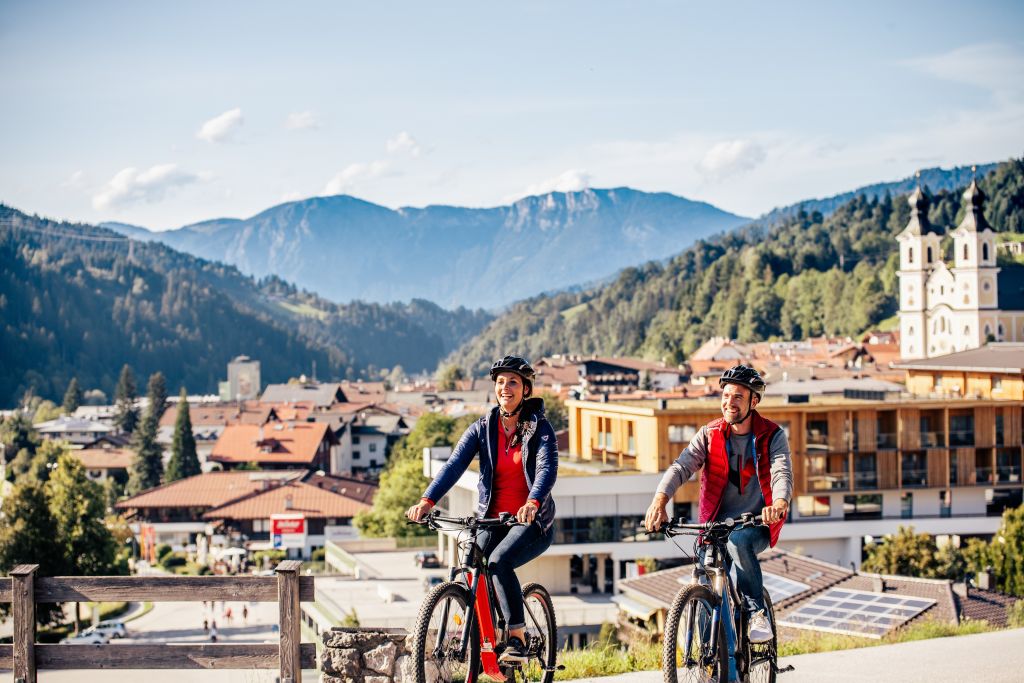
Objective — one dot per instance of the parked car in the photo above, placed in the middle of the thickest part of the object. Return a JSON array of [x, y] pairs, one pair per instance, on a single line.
[[112, 628], [85, 638], [427, 560], [431, 581]]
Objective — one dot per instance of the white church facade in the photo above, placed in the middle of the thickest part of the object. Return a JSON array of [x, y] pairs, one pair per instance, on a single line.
[[945, 309]]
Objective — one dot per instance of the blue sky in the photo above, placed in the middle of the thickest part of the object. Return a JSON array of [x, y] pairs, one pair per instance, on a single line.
[[162, 114]]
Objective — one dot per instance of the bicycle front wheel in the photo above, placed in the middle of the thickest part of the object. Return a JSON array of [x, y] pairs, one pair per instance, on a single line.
[[687, 654], [762, 656], [439, 635], [541, 634]]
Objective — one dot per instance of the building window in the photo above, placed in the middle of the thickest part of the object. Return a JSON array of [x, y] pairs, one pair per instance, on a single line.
[[929, 254], [355, 439], [868, 506], [355, 455], [373, 448], [910, 255], [965, 252], [915, 469], [945, 503], [984, 251], [907, 505], [681, 433], [630, 437], [814, 506], [961, 430]]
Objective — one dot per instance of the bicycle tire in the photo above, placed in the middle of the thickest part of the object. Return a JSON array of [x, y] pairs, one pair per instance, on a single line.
[[434, 668], [693, 603], [764, 671], [541, 667]]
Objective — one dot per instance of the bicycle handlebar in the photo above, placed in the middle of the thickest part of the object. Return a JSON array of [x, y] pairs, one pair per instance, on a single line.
[[434, 519], [678, 526]]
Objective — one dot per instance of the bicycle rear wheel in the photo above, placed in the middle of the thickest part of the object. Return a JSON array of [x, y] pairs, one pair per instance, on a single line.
[[687, 655], [541, 634], [438, 633], [762, 656]]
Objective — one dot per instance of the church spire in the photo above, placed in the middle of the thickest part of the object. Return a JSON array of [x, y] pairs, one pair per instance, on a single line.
[[918, 200], [974, 200]]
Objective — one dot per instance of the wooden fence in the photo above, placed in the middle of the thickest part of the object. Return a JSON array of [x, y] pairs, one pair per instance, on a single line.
[[288, 588]]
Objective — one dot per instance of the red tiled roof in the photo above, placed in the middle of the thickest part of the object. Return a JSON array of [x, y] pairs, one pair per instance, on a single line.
[[204, 490], [277, 442], [104, 458], [985, 605], [293, 497]]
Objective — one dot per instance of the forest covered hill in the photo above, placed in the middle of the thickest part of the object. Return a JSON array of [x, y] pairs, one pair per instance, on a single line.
[[790, 277]]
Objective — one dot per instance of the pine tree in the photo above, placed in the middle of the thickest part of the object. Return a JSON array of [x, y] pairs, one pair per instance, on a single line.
[[126, 417], [72, 397], [184, 462], [147, 467], [157, 394]]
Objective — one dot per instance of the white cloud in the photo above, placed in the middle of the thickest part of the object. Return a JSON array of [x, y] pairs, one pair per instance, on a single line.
[[219, 128], [403, 142], [302, 120], [572, 180], [994, 67], [132, 186], [354, 174], [75, 180], [731, 157]]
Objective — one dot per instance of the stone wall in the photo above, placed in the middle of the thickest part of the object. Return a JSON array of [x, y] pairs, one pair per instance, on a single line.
[[357, 655]]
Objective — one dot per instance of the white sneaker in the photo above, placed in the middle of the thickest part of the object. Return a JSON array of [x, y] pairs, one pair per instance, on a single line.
[[760, 629]]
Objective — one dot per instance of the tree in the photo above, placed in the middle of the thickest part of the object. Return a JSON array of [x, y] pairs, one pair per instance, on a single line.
[[156, 392], [72, 397], [78, 507], [126, 416], [905, 554], [554, 408], [1005, 554], [448, 378], [46, 411], [147, 466], [184, 462], [17, 434], [27, 537], [402, 482]]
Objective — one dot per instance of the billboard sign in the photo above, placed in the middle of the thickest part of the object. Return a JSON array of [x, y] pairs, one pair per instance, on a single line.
[[288, 530]]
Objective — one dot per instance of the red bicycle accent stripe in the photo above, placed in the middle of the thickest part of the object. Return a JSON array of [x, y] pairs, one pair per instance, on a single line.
[[488, 657]]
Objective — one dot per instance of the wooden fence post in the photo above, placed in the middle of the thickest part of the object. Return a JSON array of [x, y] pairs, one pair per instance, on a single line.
[[291, 626], [23, 605]]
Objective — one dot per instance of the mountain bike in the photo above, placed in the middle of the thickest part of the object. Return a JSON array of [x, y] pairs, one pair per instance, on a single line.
[[696, 643], [460, 631]]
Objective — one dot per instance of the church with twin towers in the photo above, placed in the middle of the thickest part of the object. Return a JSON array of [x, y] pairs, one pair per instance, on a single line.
[[943, 308]]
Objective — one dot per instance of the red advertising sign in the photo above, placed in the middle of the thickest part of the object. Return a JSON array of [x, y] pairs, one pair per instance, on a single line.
[[288, 526], [288, 530]]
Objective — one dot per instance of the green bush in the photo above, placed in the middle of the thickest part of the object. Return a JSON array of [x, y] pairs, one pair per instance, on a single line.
[[274, 555], [162, 551], [319, 555], [173, 560]]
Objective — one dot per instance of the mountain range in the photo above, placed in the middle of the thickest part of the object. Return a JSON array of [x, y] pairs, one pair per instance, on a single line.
[[348, 249]]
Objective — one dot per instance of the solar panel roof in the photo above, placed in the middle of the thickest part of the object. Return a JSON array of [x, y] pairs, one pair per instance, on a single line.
[[781, 588], [859, 613]]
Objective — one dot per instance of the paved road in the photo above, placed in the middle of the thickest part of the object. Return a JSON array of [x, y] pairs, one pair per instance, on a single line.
[[991, 657]]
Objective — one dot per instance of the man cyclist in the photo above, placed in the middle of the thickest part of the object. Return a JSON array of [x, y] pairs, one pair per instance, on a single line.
[[746, 468]]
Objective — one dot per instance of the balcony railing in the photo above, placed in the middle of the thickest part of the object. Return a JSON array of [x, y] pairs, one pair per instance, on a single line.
[[830, 481], [933, 440], [982, 475], [24, 589], [915, 477], [961, 438], [1010, 474], [885, 440], [865, 480]]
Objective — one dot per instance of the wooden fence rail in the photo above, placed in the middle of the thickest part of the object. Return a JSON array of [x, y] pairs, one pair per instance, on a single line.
[[24, 590]]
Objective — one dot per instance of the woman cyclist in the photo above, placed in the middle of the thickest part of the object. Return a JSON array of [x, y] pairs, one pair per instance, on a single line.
[[518, 465]]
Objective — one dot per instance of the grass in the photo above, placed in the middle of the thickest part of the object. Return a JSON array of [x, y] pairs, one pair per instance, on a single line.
[[609, 660], [573, 311]]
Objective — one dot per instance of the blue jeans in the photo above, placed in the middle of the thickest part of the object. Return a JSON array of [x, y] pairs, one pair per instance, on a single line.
[[505, 549]]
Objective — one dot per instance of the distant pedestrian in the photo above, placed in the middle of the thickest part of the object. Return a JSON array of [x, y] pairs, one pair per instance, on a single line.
[[228, 615], [245, 615], [206, 625], [213, 634]]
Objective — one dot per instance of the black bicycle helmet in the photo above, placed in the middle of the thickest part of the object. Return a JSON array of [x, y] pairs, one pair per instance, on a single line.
[[519, 366], [744, 376]]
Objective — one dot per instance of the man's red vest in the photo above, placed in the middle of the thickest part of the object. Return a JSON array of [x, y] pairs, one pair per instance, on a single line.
[[715, 473]]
